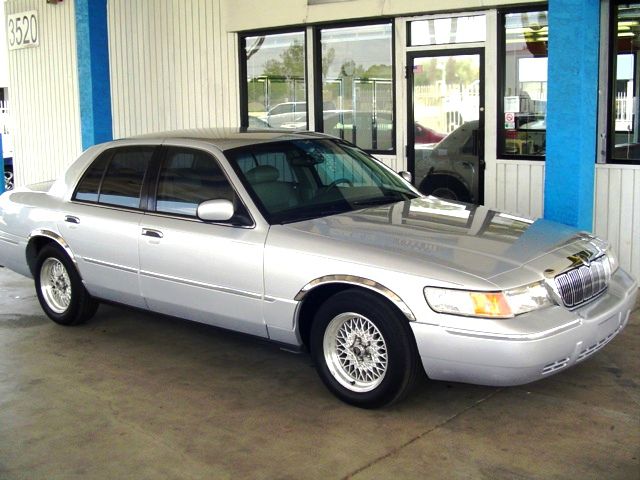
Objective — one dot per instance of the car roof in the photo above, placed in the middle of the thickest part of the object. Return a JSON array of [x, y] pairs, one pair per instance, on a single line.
[[228, 138]]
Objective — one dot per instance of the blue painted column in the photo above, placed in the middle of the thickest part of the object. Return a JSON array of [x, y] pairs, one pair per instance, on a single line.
[[93, 71], [574, 40]]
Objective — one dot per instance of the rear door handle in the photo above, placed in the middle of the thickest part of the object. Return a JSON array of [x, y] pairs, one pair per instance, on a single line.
[[149, 232], [71, 219]]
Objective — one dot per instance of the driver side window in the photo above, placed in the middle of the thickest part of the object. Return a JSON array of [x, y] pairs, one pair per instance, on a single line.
[[189, 177]]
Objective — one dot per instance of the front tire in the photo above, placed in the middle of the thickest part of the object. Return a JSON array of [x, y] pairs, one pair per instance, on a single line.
[[60, 291], [363, 349]]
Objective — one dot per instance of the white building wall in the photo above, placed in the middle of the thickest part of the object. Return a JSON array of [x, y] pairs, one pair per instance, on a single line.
[[4, 61], [173, 66], [617, 211], [43, 85], [519, 187]]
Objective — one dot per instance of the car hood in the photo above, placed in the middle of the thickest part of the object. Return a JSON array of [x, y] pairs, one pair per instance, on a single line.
[[427, 232]]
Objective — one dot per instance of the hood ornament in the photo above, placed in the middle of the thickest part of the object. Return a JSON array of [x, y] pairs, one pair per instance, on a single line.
[[581, 258]]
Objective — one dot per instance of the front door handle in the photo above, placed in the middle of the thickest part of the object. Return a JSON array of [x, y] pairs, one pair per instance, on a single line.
[[71, 219], [149, 232]]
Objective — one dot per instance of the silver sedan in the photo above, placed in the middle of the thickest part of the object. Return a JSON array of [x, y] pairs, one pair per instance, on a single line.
[[309, 242]]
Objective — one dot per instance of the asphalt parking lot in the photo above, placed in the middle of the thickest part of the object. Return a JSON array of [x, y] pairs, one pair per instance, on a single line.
[[141, 396]]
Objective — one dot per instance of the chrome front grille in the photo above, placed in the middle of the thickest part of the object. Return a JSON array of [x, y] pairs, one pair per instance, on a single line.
[[581, 284]]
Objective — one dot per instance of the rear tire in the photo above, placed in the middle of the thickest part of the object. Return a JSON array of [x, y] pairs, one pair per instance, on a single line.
[[59, 287], [363, 349]]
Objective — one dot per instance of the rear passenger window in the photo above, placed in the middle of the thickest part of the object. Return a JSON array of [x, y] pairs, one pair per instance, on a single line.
[[122, 183], [188, 178], [89, 187]]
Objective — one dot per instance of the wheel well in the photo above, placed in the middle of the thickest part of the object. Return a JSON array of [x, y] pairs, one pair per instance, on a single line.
[[318, 296], [34, 247]]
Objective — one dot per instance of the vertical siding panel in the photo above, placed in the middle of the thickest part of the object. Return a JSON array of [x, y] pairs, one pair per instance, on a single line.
[[500, 186], [198, 74], [156, 68], [226, 60], [165, 80], [537, 191], [204, 62], [519, 187], [139, 80], [635, 221], [524, 189], [174, 26], [191, 54], [625, 201], [219, 84], [44, 94], [213, 86], [173, 66], [181, 105], [146, 101], [233, 102], [600, 223], [511, 187], [129, 61], [613, 208]]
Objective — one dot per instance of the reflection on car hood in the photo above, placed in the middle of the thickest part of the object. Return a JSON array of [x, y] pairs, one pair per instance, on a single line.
[[427, 231]]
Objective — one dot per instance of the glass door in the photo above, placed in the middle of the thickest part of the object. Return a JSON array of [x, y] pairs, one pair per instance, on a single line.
[[445, 149]]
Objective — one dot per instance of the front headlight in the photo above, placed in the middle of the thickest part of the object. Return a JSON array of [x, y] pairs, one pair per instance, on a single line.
[[501, 304]]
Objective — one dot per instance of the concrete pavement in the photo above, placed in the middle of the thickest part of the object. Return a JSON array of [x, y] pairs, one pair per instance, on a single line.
[[141, 396]]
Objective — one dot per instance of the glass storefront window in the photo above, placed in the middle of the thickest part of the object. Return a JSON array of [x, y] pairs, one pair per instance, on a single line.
[[276, 94], [522, 126], [442, 31], [624, 88], [357, 85]]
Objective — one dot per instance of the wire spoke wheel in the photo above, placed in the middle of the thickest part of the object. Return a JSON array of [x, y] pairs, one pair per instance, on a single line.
[[55, 285], [355, 352]]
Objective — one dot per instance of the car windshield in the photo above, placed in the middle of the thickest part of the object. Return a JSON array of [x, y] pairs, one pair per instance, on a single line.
[[301, 179]]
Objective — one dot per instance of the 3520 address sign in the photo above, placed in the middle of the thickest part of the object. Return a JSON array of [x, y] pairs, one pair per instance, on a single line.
[[23, 30]]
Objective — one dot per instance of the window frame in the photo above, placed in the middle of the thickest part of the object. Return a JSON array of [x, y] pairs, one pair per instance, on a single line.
[[611, 82], [317, 77], [242, 70], [110, 153], [501, 84]]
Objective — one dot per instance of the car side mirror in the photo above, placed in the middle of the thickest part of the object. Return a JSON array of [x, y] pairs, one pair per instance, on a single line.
[[219, 210], [406, 175]]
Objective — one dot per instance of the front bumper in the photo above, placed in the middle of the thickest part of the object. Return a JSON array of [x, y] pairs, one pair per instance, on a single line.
[[511, 352]]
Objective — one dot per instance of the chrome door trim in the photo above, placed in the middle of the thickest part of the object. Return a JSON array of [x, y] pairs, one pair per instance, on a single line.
[[360, 282], [110, 265], [208, 286]]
